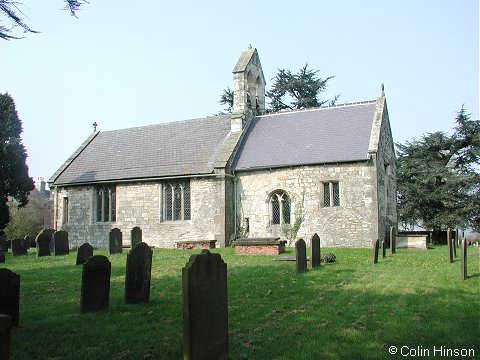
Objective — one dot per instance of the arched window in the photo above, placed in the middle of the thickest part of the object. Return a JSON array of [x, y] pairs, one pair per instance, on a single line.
[[279, 208], [106, 204]]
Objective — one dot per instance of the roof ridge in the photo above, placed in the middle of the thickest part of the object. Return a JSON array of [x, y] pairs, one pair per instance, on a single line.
[[323, 107], [167, 123]]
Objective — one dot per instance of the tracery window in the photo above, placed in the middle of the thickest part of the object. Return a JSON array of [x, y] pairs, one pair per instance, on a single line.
[[106, 204], [279, 208], [176, 195]]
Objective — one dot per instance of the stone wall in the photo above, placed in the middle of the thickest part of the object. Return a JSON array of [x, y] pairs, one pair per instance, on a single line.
[[141, 204], [352, 224]]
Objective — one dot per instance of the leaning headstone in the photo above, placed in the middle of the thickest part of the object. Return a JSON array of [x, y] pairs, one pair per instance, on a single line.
[[384, 249], [205, 307], [60, 239], [43, 243], [136, 236], [301, 255], [138, 274], [115, 241], [3, 244], [450, 246], [464, 259], [10, 294], [95, 292], [84, 252], [5, 326], [392, 240], [18, 247], [375, 251], [315, 251]]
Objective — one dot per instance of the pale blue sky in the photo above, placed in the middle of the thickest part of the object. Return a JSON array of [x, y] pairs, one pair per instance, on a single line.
[[125, 65]]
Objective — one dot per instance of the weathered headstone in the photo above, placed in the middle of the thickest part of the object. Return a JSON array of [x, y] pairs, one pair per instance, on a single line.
[[315, 251], [136, 236], [10, 294], [2, 256], [375, 251], [450, 246], [454, 243], [205, 307], [5, 326], [60, 239], [43, 243], [18, 247], [3, 244], [464, 259], [384, 249], [27, 242], [392, 240], [84, 252], [95, 292], [115, 241], [138, 274], [301, 255]]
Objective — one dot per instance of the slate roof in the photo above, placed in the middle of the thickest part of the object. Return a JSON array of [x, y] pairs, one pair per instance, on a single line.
[[322, 135], [170, 149]]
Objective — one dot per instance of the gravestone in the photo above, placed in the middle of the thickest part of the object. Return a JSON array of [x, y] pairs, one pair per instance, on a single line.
[[205, 307], [450, 246], [84, 252], [301, 255], [2, 256], [316, 252], [10, 294], [18, 247], [375, 251], [115, 241], [138, 274], [136, 236], [454, 243], [464, 259], [27, 242], [60, 239], [5, 326], [392, 240], [95, 292], [43, 243], [3, 244], [384, 249]]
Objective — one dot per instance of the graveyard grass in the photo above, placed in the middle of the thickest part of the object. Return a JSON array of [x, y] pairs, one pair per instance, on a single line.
[[352, 309]]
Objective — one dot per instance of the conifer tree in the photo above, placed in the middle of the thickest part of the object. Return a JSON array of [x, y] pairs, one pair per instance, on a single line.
[[14, 179]]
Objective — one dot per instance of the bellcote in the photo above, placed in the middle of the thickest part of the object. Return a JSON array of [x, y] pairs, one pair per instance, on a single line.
[[248, 88]]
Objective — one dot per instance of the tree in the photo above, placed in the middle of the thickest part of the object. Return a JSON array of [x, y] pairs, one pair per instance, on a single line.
[[30, 219], [11, 9], [290, 91], [297, 91], [438, 179], [14, 179]]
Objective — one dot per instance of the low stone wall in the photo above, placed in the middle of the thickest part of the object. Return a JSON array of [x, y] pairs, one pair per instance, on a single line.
[[196, 244], [259, 246], [411, 241]]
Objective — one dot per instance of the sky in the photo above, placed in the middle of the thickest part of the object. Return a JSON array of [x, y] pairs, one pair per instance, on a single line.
[[147, 62]]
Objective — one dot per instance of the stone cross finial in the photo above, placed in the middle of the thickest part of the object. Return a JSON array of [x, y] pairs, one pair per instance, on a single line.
[[95, 126]]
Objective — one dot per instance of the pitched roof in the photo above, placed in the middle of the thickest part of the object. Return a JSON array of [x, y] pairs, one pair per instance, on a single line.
[[170, 149], [322, 135]]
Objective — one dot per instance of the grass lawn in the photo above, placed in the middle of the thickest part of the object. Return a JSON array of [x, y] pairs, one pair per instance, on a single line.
[[414, 300]]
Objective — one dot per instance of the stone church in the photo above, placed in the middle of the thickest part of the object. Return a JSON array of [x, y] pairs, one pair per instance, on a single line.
[[328, 170]]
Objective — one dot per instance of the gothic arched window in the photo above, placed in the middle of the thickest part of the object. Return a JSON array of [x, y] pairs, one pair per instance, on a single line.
[[106, 204], [279, 208]]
